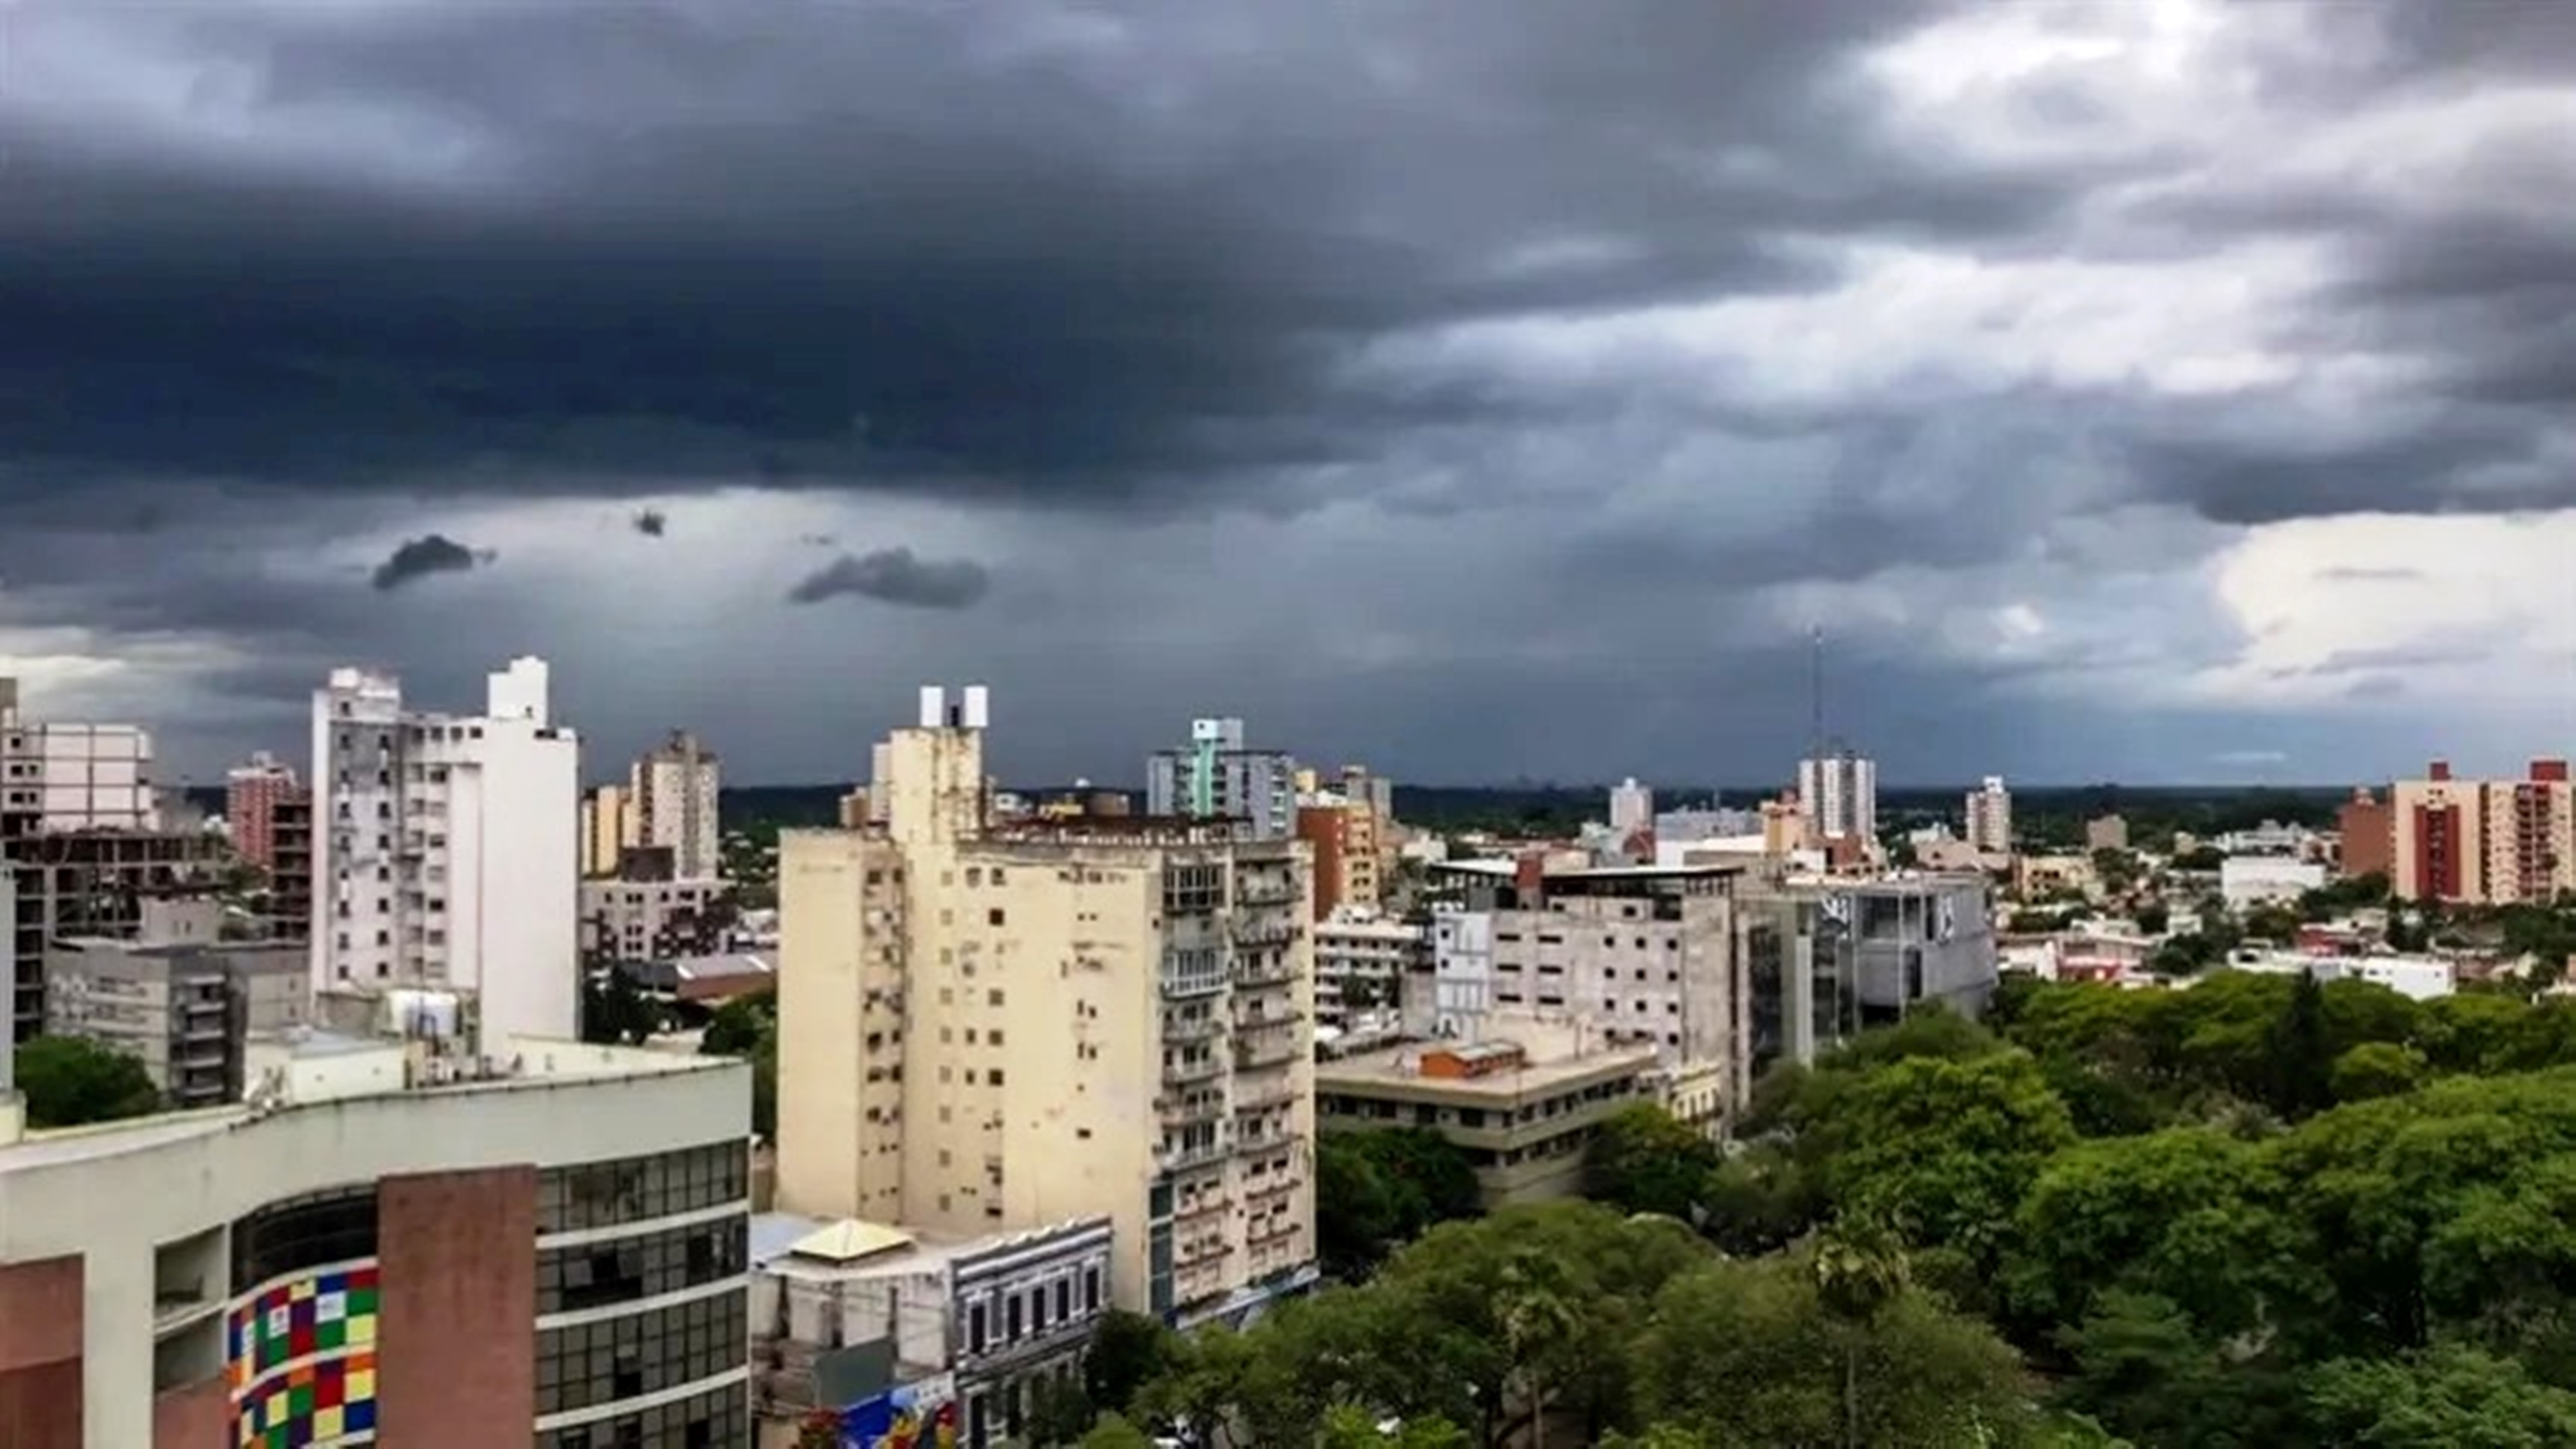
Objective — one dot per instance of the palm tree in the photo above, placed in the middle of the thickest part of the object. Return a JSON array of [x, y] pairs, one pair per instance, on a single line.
[[1538, 1315], [1860, 1269]]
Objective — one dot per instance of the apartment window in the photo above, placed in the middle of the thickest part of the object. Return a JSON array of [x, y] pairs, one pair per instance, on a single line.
[[1063, 1298], [1091, 1290], [975, 1329], [993, 917], [1011, 1319]]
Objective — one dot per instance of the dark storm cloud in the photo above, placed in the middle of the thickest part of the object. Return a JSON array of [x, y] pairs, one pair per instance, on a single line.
[[1188, 260], [421, 557], [896, 576], [910, 245]]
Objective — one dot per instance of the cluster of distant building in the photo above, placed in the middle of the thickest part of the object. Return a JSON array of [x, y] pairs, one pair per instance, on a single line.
[[1037, 1056]]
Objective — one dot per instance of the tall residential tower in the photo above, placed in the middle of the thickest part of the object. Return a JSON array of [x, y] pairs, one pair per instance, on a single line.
[[999, 1026], [444, 850]]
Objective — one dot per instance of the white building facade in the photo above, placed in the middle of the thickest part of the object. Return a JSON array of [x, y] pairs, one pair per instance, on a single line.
[[1840, 793], [672, 796], [445, 850], [58, 776], [1632, 807]]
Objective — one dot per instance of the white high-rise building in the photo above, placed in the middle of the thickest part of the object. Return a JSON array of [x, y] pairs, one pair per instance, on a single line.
[[1632, 808], [671, 801], [1990, 817], [1840, 793], [57, 776], [445, 851]]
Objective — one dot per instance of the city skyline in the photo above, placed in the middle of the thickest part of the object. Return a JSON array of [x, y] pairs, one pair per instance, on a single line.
[[2153, 394]]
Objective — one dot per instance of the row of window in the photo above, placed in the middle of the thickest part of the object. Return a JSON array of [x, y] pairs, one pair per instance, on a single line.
[[303, 1233], [623, 1190], [1001, 1319], [716, 1419], [591, 1364], [595, 1275]]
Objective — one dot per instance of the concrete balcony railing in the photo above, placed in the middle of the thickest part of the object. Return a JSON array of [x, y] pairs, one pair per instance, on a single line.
[[1205, 1069], [1198, 1155], [1268, 1049], [1186, 1030]]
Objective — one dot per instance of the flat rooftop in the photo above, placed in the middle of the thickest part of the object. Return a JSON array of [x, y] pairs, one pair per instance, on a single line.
[[1397, 1067], [857, 1245], [1506, 869], [530, 1062]]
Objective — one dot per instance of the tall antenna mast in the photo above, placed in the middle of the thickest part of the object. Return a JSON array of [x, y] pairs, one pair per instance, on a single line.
[[1816, 693]]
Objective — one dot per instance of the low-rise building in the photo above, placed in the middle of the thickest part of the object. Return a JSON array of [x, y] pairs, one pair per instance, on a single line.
[[888, 1328], [388, 1245], [2253, 880], [178, 999], [1362, 958], [1524, 1117]]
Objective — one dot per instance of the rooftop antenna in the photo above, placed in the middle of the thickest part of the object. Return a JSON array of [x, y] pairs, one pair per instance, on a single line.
[[1816, 693]]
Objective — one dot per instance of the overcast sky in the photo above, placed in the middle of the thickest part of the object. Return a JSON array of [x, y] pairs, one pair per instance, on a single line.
[[1478, 388]]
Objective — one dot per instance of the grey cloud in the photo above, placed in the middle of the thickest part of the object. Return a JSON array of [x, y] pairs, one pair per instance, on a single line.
[[896, 576], [2359, 574], [1184, 264], [959, 252], [421, 557]]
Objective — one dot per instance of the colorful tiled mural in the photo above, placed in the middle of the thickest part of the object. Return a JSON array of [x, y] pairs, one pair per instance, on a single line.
[[302, 1358]]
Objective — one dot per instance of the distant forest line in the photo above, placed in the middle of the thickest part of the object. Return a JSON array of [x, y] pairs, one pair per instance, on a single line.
[[2206, 810]]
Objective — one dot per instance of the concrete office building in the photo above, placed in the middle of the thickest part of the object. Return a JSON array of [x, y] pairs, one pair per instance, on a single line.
[[2484, 842], [1839, 793], [1218, 777], [94, 883], [859, 1317], [251, 795], [1989, 817], [388, 1247], [178, 998], [672, 795], [290, 880], [1828, 957], [1524, 1115], [989, 1027], [81, 825], [637, 917], [2106, 832], [1645, 955], [444, 850]]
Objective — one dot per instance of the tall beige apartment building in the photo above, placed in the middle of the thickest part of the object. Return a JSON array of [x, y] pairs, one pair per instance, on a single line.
[[2487, 842], [1002, 1026]]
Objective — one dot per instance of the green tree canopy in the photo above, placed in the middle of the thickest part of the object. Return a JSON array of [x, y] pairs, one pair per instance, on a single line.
[[72, 1081]]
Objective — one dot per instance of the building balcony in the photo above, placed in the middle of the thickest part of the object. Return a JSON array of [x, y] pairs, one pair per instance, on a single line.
[[1273, 1049], [1249, 975], [1189, 1030], [1195, 1156], [1196, 1107], [1184, 988], [1267, 935], [1205, 1069], [1274, 1093], [1264, 897]]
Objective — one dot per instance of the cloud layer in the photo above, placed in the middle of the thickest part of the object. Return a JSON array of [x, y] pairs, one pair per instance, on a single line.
[[1489, 390]]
